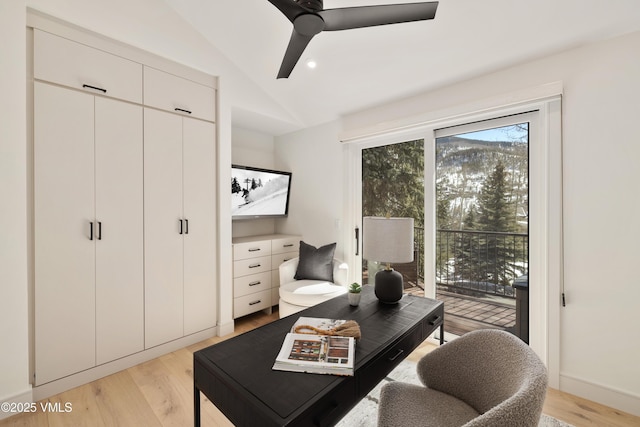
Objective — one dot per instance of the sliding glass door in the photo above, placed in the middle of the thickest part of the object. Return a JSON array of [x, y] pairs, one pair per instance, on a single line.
[[393, 186], [464, 248], [482, 225]]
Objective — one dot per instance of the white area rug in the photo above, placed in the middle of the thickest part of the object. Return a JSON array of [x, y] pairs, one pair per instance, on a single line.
[[365, 413]]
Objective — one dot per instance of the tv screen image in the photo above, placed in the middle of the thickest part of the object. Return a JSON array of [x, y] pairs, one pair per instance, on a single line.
[[259, 193]]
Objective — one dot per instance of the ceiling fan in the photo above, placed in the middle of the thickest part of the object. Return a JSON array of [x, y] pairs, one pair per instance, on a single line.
[[310, 18]]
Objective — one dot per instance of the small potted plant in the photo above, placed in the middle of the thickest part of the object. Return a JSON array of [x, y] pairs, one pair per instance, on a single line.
[[354, 294]]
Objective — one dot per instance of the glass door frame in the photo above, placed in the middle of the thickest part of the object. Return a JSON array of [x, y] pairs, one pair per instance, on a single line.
[[530, 117], [545, 199]]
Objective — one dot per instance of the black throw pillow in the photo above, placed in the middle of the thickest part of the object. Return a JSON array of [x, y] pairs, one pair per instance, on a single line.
[[315, 263]]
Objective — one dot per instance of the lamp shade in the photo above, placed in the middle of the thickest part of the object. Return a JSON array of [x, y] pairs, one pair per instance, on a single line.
[[388, 240]]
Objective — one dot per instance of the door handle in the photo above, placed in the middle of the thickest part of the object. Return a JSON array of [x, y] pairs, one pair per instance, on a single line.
[[357, 241], [186, 222], [91, 230], [99, 230], [181, 231]]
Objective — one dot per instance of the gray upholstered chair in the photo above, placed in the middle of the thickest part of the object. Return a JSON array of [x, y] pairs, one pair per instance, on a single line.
[[484, 378]]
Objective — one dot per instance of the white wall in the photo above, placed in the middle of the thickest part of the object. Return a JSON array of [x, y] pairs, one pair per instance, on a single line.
[[314, 156], [599, 350], [14, 350], [252, 148]]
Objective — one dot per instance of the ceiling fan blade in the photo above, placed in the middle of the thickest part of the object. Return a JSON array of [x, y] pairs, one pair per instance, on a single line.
[[289, 8], [367, 16], [297, 45]]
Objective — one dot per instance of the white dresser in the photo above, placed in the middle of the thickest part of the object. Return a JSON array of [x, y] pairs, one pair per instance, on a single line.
[[255, 270]]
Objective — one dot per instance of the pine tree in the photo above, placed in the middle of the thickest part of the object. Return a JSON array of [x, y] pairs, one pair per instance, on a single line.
[[235, 186], [467, 263], [495, 210], [495, 214], [443, 222], [393, 181]]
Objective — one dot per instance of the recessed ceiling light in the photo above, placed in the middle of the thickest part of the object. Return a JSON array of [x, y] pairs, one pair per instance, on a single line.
[[311, 63]]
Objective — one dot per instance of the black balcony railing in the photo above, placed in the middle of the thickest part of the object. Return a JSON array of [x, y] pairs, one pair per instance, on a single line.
[[481, 262], [471, 262]]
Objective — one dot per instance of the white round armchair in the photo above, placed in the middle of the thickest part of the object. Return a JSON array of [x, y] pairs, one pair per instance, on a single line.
[[296, 295]]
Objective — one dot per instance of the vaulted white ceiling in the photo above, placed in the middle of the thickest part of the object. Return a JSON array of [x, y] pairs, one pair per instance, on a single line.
[[362, 68]]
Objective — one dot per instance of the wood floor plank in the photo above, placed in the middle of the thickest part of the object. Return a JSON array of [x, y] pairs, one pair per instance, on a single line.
[[169, 403], [84, 408], [121, 403], [584, 413]]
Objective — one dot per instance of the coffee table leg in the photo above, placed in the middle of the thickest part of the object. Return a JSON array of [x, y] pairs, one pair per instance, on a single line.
[[442, 333], [196, 406]]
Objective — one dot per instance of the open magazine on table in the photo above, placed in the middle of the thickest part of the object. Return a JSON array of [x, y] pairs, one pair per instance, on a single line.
[[316, 353]]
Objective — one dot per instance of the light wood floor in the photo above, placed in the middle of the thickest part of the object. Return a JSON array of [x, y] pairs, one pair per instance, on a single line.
[[160, 393]]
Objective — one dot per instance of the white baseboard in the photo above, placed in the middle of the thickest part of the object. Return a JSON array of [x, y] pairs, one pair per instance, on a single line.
[[599, 393], [15, 403], [58, 386], [226, 328]]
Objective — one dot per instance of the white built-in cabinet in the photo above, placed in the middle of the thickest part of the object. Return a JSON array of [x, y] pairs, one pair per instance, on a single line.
[[180, 227], [88, 230], [124, 207]]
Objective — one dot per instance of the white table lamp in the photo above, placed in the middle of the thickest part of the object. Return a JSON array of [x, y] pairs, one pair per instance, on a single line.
[[388, 240]]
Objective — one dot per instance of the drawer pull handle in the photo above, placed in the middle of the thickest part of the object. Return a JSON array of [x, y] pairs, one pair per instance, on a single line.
[[398, 354], [287, 245], [254, 265], [182, 110], [435, 320], [255, 302], [95, 88], [254, 250], [256, 283]]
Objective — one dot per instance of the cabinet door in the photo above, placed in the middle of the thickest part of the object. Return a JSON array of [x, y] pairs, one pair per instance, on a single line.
[[163, 260], [119, 250], [65, 62], [63, 212], [200, 210], [176, 94]]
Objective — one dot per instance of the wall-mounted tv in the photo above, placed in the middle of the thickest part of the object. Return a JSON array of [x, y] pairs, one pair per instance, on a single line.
[[259, 193]]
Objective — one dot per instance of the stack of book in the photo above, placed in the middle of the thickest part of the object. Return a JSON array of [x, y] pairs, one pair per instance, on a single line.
[[316, 353]]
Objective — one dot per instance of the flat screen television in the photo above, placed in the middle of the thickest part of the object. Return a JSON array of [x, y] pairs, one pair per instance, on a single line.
[[259, 193]]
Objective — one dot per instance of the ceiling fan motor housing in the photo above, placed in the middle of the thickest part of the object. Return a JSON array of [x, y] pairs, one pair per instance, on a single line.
[[314, 5], [308, 24]]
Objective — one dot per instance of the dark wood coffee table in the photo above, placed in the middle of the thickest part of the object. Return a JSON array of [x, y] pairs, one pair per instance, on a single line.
[[236, 374]]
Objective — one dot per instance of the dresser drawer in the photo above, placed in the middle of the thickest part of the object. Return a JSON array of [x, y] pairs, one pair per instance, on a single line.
[[245, 267], [277, 259], [252, 283], [172, 93], [433, 322], [68, 63], [382, 365], [328, 410], [286, 244], [250, 303], [251, 249]]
